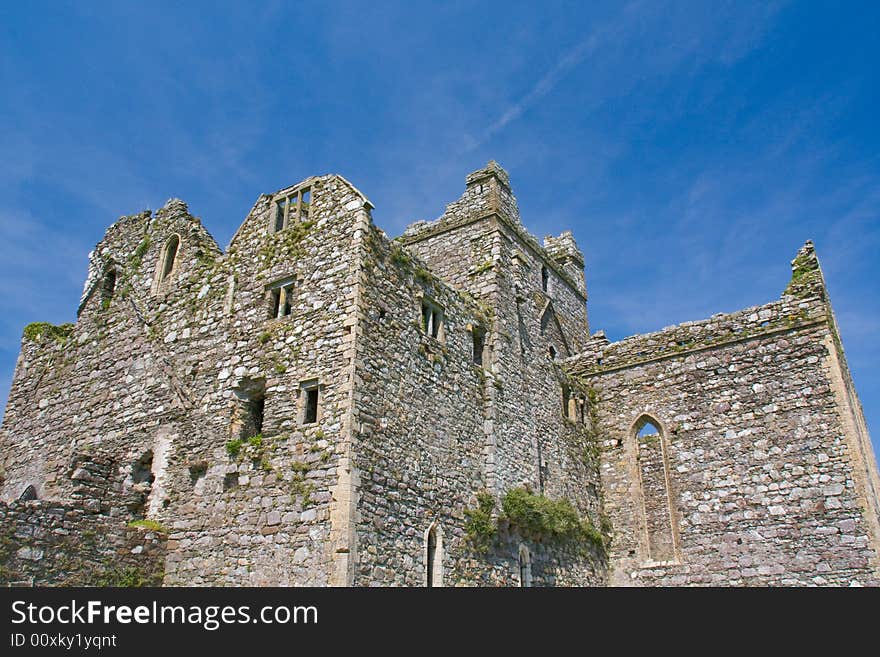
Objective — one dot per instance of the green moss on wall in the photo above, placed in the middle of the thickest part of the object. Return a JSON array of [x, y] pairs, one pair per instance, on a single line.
[[38, 331]]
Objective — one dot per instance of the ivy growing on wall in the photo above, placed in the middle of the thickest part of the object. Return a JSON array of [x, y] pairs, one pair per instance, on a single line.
[[530, 515]]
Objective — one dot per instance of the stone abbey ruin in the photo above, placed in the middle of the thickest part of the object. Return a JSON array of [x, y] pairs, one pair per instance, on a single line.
[[320, 405]]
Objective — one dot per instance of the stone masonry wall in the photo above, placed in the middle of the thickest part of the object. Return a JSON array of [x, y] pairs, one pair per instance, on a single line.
[[421, 465], [530, 439], [760, 463], [51, 544], [154, 376], [182, 396]]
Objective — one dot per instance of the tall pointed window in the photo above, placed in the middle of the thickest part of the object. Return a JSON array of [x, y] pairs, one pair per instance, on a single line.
[[169, 257], [433, 556], [653, 465]]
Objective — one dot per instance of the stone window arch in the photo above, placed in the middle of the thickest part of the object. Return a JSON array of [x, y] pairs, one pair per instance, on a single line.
[[433, 556], [524, 560], [28, 494], [168, 260], [657, 509]]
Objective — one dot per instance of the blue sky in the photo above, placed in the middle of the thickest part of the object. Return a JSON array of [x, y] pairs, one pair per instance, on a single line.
[[692, 147]]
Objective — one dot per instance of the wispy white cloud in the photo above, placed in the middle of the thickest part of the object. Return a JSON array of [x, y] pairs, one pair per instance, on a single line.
[[645, 41]]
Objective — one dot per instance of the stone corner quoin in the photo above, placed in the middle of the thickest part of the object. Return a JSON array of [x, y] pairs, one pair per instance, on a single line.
[[321, 405]]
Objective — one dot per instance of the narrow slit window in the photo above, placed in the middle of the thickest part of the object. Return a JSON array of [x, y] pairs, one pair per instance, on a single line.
[[433, 557], [545, 277], [280, 214], [305, 204], [256, 409], [525, 567], [275, 302], [108, 285], [479, 336], [310, 402], [566, 401], [286, 302]]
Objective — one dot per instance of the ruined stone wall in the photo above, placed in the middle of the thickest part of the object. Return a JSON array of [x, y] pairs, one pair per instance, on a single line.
[[420, 405], [759, 465], [529, 440], [421, 464], [183, 395], [45, 543], [255, 509], [156, 374], [104, 385]]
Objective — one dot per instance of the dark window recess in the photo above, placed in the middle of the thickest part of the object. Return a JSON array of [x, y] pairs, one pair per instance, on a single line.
[[552, 352], [545, 277], [566, 398], [247, 419], [255, 408], [545, 322], [275, 303], [479, 336], [142, 469], [432, 556], [311, 405], [197, 471], [29, 493], [170, 256], [108, 284]]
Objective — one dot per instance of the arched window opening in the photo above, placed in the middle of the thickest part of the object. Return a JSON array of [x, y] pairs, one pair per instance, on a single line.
[[552, 352], [28, 494], [525, 567], [249, 410], [108, 285], [433, 557], [653, 466], [169, 256], [545, 277]]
